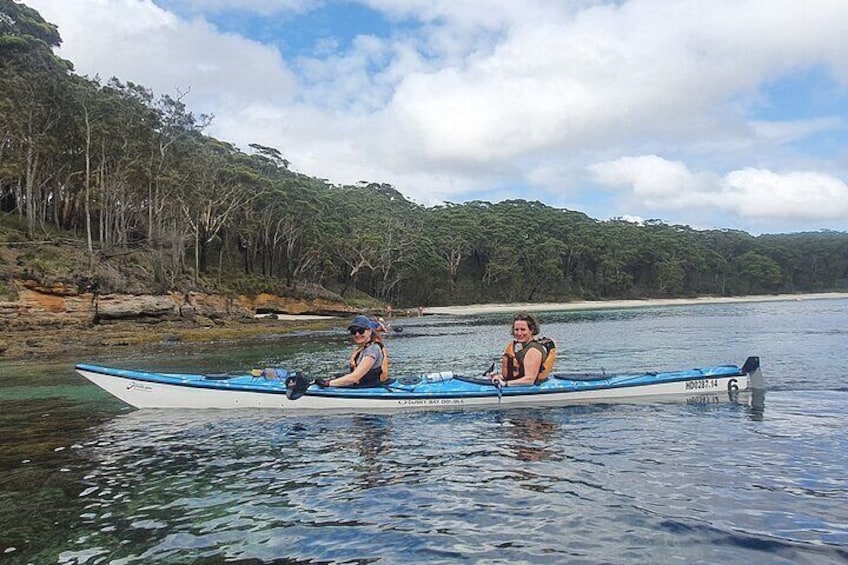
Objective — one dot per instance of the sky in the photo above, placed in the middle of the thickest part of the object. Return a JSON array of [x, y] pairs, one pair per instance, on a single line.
[[709, 113]]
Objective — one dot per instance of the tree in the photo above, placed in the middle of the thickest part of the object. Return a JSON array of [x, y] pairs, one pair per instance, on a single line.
[[217, 187], [456, 235], [758, 272], [30, 87]]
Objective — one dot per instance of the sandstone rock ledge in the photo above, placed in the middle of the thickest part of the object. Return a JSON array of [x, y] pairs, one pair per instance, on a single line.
[[48, 320]]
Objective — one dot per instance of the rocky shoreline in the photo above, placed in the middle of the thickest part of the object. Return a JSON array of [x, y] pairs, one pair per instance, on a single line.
[[57, 320]]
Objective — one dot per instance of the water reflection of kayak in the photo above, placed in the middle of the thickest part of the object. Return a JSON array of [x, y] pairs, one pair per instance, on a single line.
[[291, 391]]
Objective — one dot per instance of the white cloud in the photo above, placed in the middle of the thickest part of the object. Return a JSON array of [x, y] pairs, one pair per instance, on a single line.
[[796, 195], [139, 42], [611, 73], [799, 196], [524, 93], [653, 180]]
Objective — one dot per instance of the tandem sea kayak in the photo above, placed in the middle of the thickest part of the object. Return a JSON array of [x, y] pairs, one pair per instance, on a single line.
[[282, 390]]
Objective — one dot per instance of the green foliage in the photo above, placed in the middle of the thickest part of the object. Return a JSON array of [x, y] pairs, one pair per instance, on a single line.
[[26, 39], [758, 273], [135, 198], [671, 277], [21, 20]]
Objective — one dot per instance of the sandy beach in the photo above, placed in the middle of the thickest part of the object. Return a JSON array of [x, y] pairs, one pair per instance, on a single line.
[[472, 309]]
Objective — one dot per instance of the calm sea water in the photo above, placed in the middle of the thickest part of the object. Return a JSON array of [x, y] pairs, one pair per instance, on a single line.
[[85, 480]]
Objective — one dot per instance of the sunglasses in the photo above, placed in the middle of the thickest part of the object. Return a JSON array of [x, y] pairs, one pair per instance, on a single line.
[[357, 331]]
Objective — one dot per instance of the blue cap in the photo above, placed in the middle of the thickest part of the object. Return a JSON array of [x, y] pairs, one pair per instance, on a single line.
[[360, 322]]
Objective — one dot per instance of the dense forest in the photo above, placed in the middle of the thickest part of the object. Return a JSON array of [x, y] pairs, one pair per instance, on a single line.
[[116, 171]]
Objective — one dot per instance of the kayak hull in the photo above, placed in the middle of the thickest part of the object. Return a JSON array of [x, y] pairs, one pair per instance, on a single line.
[[142, 389]]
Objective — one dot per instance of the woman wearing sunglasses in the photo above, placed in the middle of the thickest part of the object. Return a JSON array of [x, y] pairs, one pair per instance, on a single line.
[[369, 362], [527, 360]]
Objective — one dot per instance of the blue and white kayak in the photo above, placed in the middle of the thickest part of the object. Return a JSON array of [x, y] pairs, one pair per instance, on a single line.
[[291, 391]]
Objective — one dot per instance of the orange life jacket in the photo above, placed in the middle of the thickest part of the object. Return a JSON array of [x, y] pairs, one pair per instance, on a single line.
[[512, 362], [376, 374]]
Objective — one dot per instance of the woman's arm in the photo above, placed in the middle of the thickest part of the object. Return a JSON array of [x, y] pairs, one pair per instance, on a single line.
[[532, 366], [356, 375]]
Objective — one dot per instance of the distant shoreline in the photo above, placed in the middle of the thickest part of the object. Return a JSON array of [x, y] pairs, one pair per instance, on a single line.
[[110, 339], [473, 309]]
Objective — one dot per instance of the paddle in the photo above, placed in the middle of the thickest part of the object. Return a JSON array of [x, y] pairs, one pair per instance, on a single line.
[[296, 385], [496, 384]]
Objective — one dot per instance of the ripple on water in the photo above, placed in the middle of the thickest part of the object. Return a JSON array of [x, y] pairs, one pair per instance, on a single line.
[[628, 481], [706, 482]]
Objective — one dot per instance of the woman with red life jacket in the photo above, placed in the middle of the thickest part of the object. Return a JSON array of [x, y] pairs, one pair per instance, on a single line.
[[527, 360], [369, 362]]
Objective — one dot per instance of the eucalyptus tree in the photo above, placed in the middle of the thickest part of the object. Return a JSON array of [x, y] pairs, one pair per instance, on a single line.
[[271, 158], [376, 237], [354, 246], [291, 215], [457, 233], [810, 260], [406, 249], [119, 131], [756, 273], [830, 271], [725, 246], [218, 185], [668, 260], [522, 255], [175, 131], [615, 248], [498, 257], [825, 256], [573, 231], [31, 81], [278, 219], [298, 230]]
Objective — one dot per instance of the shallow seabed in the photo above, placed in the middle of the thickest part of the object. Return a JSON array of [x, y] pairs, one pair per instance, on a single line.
[[704, 479]]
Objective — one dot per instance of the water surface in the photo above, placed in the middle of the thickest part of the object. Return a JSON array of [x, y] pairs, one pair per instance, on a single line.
[[83, 479]]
